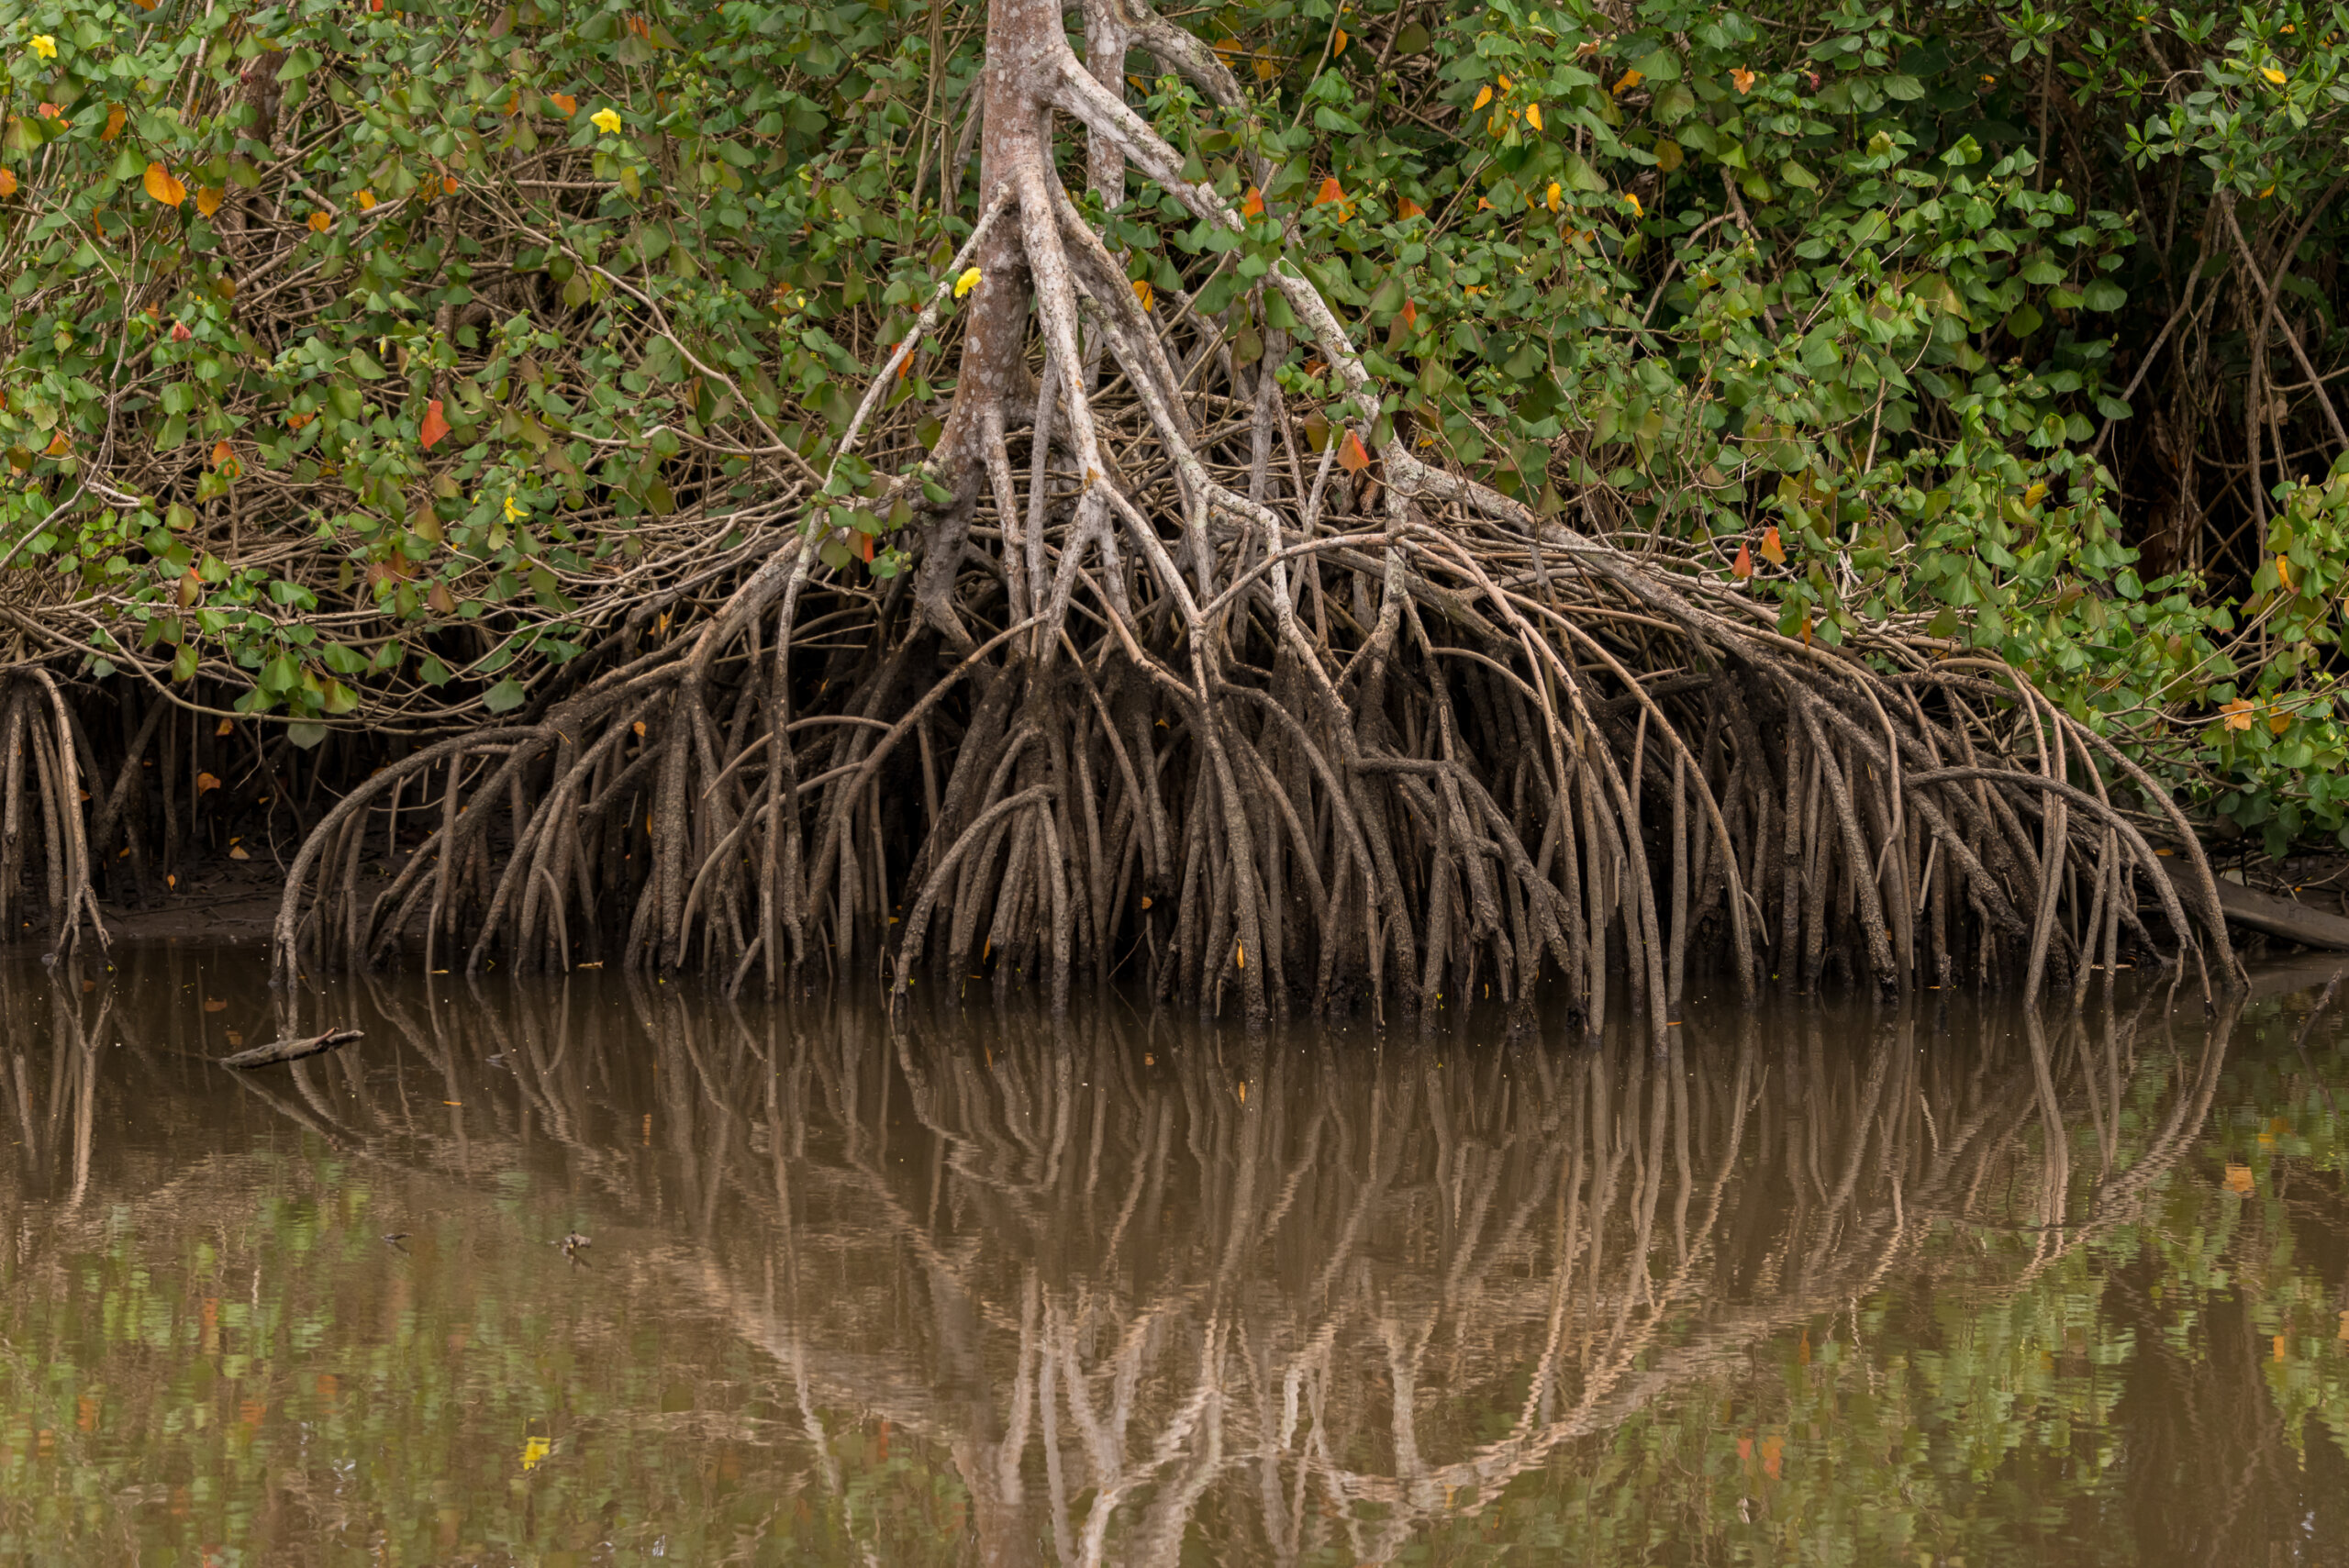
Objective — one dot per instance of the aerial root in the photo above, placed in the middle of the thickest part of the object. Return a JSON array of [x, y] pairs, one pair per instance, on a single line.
[[1156, 710]]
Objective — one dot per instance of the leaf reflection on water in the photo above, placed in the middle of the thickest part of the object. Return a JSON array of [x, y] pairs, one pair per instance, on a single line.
[[1834, 1284]]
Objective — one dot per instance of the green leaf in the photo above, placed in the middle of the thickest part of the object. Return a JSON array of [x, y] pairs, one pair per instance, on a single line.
[[2104, 295], [505, 696]]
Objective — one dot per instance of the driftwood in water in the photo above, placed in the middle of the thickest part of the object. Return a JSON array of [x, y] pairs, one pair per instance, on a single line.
[[290, 1050], [2294, 922]]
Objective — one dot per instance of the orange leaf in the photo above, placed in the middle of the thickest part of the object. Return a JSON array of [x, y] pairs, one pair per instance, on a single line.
[[1144, 293], [1254, 207], [1408, 208], [864, 548], [435, 426], [1350, 455], [50, 112], [7, 182], [1330, 192], [163, 187], [115, 120], [209, 199], [213, 1004], [2239, 1179], [447, 184], [57, 446], [206, 783], [1410, 314], [237, 852], [1772, 550], [1338, 41], [1629, 80], [221, 453], [319, 222], [565, 102], [226, 727], [1744, 567], [366, 201]]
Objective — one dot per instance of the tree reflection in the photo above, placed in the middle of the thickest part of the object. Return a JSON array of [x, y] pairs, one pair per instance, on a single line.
[[1323, 1295]]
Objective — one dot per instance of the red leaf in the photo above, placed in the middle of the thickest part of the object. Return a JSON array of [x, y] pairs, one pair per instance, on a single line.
[[1350, 455], [435, 427], [1410, 314], [1254, 206], [864, 548], [1744, 567]]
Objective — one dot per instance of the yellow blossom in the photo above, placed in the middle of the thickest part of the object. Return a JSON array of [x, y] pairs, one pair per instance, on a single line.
[[44, 46], [606, 120], [966, 282], [512, 510]]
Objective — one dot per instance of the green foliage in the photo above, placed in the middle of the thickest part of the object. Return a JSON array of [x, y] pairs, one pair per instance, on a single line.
[[1822, 295]]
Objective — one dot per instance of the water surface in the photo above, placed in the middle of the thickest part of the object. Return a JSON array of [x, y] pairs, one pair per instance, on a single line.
[[1829, 1283]]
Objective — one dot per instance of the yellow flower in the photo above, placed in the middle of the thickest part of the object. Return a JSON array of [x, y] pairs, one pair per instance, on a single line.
[[1556, 195], [1634, 203], [966, 282], [606, 120], [44, 46], [512, 510]]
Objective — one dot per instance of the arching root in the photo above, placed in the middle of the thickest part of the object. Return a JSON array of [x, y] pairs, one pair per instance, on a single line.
[[1155, 707]]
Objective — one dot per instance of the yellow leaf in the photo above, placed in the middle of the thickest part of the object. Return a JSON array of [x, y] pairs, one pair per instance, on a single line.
[[1338, 41], [209, 199], [1533, 115], [1772, 550], [1142, 291], [966, 282], [2284, 570], [114, 121], [1506, 83], [1264, 71], [7, 182], [1629, 80], [534, 1452], [318, 222], [1634, 203], [1483, 96], [2239, 1179], [1556, 195], [163, 187], [206, 783], [2036, 493], [2275, 77], [366, 201], [226, 727]]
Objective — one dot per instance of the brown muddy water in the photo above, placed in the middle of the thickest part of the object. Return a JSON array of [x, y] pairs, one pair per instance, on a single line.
[[1831, 1284]]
